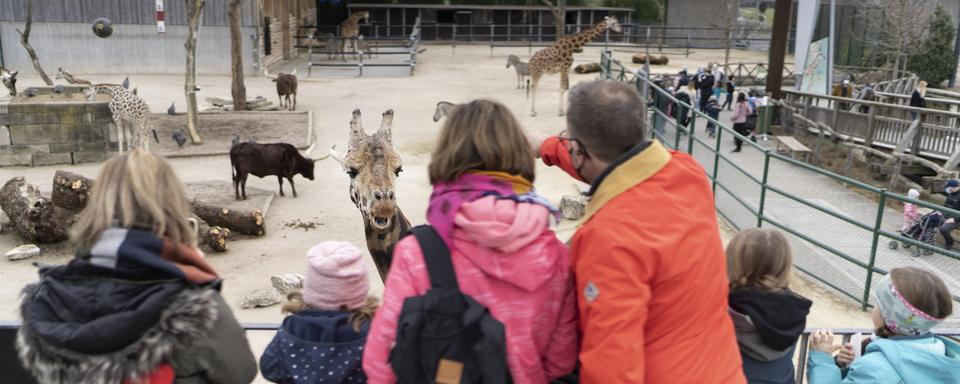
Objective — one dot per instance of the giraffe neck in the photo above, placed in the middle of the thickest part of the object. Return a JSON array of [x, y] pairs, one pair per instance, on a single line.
[[584, 37], [380, 243]]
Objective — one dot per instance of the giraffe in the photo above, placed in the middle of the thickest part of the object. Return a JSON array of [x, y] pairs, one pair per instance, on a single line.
[[350, 29], [61, 74], [124, 105], [373, 166], [559, 57]]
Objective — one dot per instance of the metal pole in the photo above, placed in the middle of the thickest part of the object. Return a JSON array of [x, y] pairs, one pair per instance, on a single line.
[[716, 163], [763, 185], [693, 126], [830, 47], [873, 249]]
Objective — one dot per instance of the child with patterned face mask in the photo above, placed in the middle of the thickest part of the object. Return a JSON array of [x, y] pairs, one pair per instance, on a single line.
[[322, 340], [909, 302]]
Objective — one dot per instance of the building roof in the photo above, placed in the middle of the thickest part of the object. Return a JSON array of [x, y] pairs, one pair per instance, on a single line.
[[484, 7]]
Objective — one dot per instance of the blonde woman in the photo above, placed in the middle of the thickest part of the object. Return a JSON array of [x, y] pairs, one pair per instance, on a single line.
[[767, 316], [138, 302], [918, 98]]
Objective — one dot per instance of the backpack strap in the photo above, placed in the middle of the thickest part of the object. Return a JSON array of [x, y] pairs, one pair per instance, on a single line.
[[436, 256]]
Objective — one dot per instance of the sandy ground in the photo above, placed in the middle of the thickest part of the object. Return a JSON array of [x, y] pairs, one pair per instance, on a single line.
[[471, 74]]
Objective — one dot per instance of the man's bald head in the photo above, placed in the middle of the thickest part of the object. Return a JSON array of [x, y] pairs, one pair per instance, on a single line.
[[607, 117]]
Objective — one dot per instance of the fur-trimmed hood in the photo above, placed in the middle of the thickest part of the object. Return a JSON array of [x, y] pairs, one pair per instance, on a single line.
[[59, 338]]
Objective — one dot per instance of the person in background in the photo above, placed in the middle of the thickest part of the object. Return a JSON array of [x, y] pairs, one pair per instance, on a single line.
[[322, 339], [652, 298], [768, 317], [918, 98], [718, 90], [910, 301], [739, 118], [503, 252], [731, 93], [867, 94], [138, 303], [910, 212], [712, 110], [953, 202], [705, 83], [685, 96], [681, 78]]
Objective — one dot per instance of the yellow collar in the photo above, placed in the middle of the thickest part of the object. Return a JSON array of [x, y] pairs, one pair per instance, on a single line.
[[632, 172], [519, 184]]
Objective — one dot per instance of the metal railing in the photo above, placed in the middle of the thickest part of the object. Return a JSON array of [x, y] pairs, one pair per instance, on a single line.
[[410, 46], [14, 371], [839, 249]]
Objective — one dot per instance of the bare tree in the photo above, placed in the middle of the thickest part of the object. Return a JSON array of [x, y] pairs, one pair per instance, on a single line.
[[25, 41], [727, 11], [194, 15], [559, 15], [896, 27], [238, 89]]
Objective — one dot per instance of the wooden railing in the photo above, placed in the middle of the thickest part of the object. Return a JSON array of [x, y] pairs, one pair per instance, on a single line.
[[935, 133]]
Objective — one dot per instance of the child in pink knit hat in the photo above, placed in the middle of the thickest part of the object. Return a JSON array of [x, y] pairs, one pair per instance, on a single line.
[[322, 340]]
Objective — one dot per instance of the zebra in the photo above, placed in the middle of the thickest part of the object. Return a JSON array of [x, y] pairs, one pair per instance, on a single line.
[[443, 108], [522, 71]]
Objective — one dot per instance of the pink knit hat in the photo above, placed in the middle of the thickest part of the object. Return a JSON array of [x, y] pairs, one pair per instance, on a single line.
[[336, 275]]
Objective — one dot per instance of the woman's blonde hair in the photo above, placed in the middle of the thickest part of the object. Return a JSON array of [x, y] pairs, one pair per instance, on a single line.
[[759, 258], [481, 135], [358, 316], [135, 189]]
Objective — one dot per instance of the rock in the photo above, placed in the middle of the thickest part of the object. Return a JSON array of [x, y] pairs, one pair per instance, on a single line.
[[25, 251], [263, 297], [287, 282], [573, 207]]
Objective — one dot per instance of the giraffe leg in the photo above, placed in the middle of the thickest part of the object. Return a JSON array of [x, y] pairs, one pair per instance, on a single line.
[[533, 94], [564, 85]]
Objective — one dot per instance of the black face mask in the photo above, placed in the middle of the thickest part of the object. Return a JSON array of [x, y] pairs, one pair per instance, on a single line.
[[583, 152]]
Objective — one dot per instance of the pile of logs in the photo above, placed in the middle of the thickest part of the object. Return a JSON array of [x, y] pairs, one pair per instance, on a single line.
[[258, 103], [39, 219], [587, 68], [639, 58]]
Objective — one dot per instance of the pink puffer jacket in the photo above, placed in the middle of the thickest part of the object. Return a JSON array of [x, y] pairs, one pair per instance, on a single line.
[[507, 258]]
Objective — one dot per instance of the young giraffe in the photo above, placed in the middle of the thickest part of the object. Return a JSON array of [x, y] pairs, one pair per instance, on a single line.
[[373, 166], [350, 29], [9, 80], [61, 74], [559, 57], [124, 105]]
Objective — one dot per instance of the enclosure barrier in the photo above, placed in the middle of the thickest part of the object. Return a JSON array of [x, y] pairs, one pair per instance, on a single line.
[[410, 47], [839, 249], [14, 371]]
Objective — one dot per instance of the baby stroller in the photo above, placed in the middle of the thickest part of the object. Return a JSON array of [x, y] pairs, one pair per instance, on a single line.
[[922, 229]]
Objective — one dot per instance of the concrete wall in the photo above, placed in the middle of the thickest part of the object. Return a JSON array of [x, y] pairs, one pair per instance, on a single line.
[[132, 48], [69, 130]]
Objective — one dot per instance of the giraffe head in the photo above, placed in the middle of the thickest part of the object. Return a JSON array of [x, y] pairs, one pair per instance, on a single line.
[[612, 24], [9, 80], [373, 166], [365, 15], [96, 89]]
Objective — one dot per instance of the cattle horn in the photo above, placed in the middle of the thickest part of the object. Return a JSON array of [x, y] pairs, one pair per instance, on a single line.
[[324, 157], [294, 71], [267, 74], [337, 155]]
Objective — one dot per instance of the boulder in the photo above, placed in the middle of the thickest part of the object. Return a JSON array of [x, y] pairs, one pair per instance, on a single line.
[[287, 282], [573, 207], [263, 297], [25, 251]]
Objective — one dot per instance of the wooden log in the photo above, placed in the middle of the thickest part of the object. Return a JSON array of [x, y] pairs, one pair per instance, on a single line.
[[587, 68], [213, 237], [640, 58], [245, 222], [70, 190], [34, 217]]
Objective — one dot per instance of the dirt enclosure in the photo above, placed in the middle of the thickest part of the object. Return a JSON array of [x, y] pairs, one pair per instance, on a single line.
[[323, 210]]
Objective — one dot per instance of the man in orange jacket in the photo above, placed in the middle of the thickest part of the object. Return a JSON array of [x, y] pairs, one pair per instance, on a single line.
[[649, 264]]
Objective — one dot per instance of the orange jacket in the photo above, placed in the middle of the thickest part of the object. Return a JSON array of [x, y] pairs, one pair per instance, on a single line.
[[651, 274]]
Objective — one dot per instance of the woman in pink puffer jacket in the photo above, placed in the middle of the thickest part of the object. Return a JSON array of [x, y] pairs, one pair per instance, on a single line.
[[504, 254]]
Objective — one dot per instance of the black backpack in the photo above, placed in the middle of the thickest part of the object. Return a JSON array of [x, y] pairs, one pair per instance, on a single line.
[[445, 336]]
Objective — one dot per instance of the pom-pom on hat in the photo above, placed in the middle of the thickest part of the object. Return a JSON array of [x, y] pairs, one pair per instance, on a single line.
[[336, 276]]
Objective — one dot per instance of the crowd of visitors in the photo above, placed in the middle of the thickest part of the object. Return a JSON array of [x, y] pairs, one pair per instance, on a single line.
[[644, 293]]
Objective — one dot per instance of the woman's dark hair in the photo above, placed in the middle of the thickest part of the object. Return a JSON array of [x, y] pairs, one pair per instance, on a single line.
[[741, 97]]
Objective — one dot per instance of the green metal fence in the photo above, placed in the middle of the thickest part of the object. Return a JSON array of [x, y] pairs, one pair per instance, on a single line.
[[842, 247]]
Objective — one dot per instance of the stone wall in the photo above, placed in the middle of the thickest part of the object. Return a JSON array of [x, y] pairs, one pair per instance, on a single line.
[[55, 129]]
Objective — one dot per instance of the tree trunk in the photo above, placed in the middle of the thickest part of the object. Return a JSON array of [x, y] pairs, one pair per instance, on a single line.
[[238, 90], [213, 237], [70, 190], [33, 216], [245, 222], [25, 41], [194, 15], [561, 16], [728, 46]]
